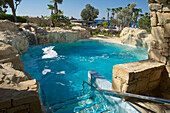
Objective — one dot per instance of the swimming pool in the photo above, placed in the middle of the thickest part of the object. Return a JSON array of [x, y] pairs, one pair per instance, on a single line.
[[61, 68]]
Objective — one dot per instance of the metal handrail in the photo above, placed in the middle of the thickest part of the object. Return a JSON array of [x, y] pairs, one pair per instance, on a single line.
[[154, 99]]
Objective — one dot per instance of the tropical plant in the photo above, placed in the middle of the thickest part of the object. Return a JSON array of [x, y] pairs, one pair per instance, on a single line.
[[89, 13], [117, 11], [124, 17], [105, 23], [13, 4], [60, 20], [56, 6], [144, 22], [112, 21], [132, 8], [136, 15], [108, 10], [100, 22], [113, 12], [60, 12], [51, 7]]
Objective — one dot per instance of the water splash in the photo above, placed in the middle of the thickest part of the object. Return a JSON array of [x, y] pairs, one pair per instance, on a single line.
[[45, 71], [49, 52]]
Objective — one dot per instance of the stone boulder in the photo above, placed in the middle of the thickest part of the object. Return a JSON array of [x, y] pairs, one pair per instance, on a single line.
[[140, 77], [9, 77], [136, 37], [10, 34], [7, 25]]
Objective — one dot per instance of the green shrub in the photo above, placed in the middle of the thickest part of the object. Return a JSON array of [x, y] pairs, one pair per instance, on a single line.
[[93, 33], [60, 20], [97, 31], [104, 31], [149, 31], [9, 17], [118, 35], [105, 23], [43, 25], [72, 25]]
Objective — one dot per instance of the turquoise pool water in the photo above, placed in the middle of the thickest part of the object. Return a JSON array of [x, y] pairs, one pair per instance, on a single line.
[[62, 68]]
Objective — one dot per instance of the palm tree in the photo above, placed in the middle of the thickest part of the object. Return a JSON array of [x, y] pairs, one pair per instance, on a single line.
[[136, 15], [113, 12], [51, 7], [132, 8], [117, 12], [60, 12], [55, 5], [108, 10]]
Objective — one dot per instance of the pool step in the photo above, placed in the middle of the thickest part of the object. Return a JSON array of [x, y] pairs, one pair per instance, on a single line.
[[69, 104], [90, 106]]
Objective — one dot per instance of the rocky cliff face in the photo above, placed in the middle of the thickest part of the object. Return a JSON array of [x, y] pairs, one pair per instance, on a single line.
[[136, 37], [46, 35], [15, 84]]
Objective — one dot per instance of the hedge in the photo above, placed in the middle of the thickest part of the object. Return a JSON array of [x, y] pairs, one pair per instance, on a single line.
[[9, 17]]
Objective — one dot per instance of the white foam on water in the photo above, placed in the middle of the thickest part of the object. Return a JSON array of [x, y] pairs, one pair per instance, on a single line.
[[61, 72], [49, 52], [45, 71], [60, 83]]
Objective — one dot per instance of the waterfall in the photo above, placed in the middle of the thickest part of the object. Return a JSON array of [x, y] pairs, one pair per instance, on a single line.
[[31, 36]]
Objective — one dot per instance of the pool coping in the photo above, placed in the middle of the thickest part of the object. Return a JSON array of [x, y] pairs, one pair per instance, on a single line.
[[98, 81]]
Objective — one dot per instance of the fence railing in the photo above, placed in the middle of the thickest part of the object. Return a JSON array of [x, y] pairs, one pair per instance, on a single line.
[[153, 99]]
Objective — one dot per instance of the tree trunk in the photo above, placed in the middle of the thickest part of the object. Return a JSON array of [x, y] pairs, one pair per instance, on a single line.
[[56, 8], [133, 24], [116, 20], [129, 24], [51, 12], [13, 10], [14, 14], [108, 16]]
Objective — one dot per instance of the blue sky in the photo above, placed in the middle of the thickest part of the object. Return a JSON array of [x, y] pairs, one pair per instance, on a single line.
[[74, 7]]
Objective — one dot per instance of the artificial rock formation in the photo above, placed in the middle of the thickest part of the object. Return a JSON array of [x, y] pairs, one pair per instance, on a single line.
[[160, 22], [18, 92], [58, 35], [138, 77], [160, 47], [37, 20], [150, 77], [136, 37], [46, 35]]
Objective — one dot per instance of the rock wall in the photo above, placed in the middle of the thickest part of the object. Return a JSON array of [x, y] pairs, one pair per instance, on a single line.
[[150, 77], [141, 77], [38, 20], [160, 47], [136, 37], [160, 22], [18, 92], [57, 35]]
